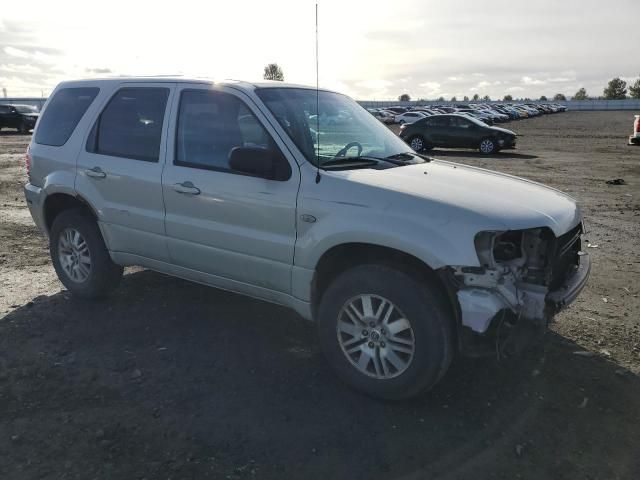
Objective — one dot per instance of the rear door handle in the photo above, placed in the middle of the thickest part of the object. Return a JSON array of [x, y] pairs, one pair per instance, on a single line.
[[95, 172], [186, 188]]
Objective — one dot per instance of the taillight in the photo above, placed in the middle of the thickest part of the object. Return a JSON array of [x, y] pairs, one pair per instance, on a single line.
[[637, 123], [27, 160]]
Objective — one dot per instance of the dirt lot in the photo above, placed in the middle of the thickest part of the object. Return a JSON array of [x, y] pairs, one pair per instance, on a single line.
[[168, 379]]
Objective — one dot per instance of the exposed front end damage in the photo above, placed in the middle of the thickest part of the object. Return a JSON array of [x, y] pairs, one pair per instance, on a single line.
[[525, 277]]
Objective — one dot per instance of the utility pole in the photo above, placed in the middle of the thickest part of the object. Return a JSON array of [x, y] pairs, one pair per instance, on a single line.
[[4, 92]]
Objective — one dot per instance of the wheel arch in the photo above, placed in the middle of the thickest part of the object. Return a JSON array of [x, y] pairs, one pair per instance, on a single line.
[[58, 202], [340, 258]]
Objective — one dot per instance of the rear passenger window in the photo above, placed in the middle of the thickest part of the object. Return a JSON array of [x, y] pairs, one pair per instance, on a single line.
[[62, 115], [210, 124], [130, 126]]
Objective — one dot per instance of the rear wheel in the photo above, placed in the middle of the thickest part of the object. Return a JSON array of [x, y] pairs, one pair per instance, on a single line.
[[417, 143], [384, 332], [487, 146], [80, 256]]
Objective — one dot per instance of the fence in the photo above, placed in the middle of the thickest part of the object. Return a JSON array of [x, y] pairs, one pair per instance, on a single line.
[[628, 104]]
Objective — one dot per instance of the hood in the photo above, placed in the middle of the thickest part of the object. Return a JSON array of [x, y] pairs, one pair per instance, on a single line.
[[503, 130], [500, 200]]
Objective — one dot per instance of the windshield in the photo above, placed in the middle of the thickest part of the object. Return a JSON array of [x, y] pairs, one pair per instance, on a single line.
[[341, 123], [26, 109]]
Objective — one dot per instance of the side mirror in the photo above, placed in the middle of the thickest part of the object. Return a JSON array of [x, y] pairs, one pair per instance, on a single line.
[[259, 162]]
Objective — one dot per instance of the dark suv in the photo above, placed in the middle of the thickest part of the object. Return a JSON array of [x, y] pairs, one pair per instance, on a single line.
[[21, 117], [456, 131]]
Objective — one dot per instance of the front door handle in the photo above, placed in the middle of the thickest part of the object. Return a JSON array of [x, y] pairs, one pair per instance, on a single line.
[[95, 172], [186, 188]]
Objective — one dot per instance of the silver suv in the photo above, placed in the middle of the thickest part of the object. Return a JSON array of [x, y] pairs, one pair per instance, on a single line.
[[401, 260]]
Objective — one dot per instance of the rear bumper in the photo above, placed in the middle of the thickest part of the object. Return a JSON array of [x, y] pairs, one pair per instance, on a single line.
[[35, 199], [634, 140]]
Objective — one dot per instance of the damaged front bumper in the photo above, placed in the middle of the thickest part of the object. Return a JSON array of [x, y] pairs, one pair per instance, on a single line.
[[481, 301], [518, 293]]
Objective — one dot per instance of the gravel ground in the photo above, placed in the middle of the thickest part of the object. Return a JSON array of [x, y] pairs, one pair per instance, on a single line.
[[167, 379]]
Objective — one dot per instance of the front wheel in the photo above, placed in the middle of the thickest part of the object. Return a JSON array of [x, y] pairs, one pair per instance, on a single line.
[[487, 146], [80, 256], [384, 332]]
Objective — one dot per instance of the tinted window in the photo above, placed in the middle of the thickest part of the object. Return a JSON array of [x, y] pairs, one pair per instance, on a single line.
[[62, 115], [4, 109], [460, 122], [438, 121], [130, 126], [210, 124]]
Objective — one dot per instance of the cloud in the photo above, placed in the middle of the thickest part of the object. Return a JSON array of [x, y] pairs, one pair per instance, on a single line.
[[532, 81], [98, 71], [430, 85], [16, 52]]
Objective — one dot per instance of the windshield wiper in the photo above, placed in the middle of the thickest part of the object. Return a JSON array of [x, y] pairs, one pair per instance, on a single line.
[[408, 156], [356, 161]]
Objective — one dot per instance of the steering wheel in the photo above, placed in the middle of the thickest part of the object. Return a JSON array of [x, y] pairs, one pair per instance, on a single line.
[[346, 148]]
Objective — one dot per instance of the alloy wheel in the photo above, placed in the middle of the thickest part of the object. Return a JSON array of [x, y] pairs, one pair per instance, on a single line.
[[486, 146], [74, 255], [375, 336], [417, 144]]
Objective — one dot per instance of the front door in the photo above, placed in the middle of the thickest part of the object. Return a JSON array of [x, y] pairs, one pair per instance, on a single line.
[[238, 229]]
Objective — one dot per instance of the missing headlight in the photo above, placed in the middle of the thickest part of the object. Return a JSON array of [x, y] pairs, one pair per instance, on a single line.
[[508, 246]]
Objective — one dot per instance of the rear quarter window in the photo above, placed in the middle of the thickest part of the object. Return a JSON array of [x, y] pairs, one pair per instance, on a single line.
[[62, 115]]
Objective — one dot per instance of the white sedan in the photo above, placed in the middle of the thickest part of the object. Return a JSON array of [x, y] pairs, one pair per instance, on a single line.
[[409, 117]]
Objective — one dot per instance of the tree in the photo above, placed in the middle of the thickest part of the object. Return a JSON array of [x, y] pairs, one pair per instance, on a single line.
[[559, 97], [273, 72], [404, 97], [581, 94], [486, 98], [507, 98], [441, 98], [466, 99], [454, 99], [616, 89], [634, 90], [476, 97], [543, 98]]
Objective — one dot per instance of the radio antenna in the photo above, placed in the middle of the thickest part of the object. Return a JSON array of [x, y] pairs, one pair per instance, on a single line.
[[317, 105]]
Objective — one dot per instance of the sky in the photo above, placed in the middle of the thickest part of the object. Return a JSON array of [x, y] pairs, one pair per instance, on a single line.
[[370, 50]]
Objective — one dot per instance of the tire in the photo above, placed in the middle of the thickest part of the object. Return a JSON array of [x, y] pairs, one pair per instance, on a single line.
[[418, 143], [487, 146], [82, 263], [421, 365]]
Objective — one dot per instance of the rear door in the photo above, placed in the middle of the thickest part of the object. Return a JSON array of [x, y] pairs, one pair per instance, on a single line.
[[120, 168], [238, 229], [461, 132], [436, 130]]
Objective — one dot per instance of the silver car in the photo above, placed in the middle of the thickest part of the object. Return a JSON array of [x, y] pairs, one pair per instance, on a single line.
[[402, 261]]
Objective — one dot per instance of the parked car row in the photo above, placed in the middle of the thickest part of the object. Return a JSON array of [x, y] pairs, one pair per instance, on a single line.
[[487, 113]]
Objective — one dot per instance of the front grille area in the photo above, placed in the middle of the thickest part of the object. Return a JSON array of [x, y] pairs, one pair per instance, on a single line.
[[565, 257]]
